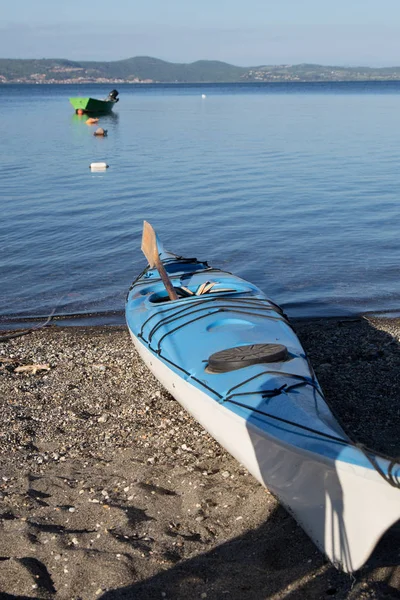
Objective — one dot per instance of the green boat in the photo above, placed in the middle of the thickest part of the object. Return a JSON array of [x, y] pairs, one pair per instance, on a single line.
[[92, 105]]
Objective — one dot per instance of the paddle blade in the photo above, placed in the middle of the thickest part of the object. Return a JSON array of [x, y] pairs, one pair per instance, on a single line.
[[150, 250], [149, 244]]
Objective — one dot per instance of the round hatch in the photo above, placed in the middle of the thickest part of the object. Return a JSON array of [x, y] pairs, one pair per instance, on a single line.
[[244, 356]]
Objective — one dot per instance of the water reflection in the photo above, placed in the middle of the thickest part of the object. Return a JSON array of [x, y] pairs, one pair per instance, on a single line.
[[110, 118]]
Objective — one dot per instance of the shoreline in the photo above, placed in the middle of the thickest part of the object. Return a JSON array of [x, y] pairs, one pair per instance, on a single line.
[[109, 489], [117, 318], [150, 82]]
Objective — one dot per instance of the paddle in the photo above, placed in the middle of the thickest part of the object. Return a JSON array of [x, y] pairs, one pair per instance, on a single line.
[[150, 250]]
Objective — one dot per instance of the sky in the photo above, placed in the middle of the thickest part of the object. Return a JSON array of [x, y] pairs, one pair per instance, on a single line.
[[240, 32]]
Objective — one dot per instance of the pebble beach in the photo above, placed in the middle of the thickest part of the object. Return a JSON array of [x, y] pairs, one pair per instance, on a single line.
[[110, 490]]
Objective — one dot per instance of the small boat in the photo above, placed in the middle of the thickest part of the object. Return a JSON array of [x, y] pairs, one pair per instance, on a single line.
[[230, 356], [94, 106]]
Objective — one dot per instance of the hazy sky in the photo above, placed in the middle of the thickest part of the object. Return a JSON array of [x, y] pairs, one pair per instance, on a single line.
[[241, 32]]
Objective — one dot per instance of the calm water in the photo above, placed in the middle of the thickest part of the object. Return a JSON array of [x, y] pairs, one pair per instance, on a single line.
[[295, 187]]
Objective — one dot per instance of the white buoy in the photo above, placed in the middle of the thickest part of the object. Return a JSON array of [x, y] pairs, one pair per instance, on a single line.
[[98, 166], [203, 96]]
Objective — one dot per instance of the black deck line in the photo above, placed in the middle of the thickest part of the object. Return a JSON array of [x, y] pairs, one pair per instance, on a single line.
[[226, 306], [178, 275], [368, 452], [217, 310], [194, 301]]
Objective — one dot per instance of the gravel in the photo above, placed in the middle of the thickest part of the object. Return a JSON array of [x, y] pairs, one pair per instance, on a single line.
[[109, 489]]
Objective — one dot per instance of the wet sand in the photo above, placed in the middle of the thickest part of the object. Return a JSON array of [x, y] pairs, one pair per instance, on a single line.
[[109, 489]]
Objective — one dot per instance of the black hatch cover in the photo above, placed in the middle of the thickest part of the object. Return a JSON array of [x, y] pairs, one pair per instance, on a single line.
[[244, 356]]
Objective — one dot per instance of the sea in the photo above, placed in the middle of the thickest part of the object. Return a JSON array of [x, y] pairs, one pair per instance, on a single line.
[[293, 186]]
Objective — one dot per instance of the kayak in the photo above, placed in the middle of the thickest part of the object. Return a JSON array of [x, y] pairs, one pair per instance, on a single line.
[[230, 356]]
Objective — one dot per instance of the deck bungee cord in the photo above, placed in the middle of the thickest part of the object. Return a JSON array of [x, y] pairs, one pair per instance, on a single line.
[[221, 309], [389, 477], [187, 275], [199, 300], [225, 303]]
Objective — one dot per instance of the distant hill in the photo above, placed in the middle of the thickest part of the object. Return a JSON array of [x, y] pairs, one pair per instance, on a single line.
[[138, 69], [145, 69]]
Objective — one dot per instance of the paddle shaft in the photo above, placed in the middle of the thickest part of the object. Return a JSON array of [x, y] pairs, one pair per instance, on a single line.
[[166, 280]]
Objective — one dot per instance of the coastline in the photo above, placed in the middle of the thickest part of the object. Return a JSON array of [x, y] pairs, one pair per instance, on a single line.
[[109, 489]]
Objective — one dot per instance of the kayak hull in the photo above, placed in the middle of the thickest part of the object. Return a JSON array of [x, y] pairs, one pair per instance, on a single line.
[[272, 418]]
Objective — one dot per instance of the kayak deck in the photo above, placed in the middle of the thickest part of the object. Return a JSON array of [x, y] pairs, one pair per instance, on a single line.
[[283, 396]]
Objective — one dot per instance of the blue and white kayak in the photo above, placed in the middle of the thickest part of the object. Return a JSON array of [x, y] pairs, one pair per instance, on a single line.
[[230, 356]]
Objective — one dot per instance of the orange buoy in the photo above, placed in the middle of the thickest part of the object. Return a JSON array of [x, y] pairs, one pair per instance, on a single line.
[[79, 111], [91, 121]]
